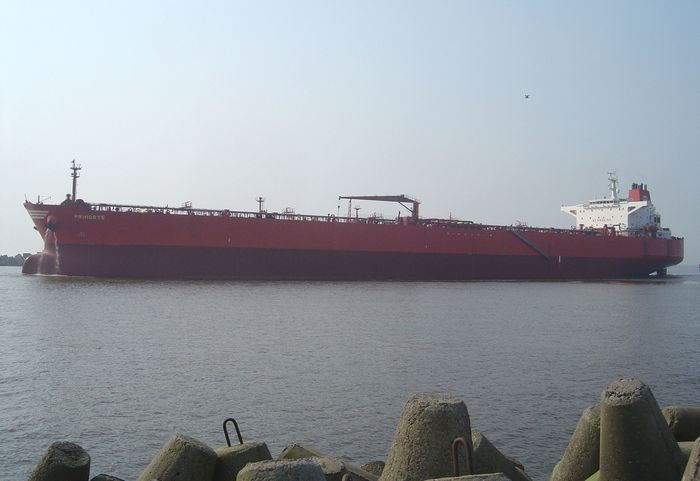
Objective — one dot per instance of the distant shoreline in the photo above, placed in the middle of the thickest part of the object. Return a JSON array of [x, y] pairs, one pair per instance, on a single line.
[[15, 261]]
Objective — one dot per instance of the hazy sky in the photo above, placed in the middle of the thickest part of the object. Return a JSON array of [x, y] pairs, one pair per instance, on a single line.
[[219, 102]]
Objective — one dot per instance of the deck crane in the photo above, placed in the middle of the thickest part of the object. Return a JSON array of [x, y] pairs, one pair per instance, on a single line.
[[401, 199]]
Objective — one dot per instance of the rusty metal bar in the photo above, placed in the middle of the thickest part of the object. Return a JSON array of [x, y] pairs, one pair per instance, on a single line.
[[238, 431], [467, 447]]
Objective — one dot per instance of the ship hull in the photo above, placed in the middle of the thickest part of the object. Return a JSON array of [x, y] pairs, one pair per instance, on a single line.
[[162, 245]]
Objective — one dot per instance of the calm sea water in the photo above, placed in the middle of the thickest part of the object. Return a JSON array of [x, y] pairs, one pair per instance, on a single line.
[[118, 366]]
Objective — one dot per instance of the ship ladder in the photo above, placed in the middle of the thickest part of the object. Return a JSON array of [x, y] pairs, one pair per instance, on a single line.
[[529, 244]]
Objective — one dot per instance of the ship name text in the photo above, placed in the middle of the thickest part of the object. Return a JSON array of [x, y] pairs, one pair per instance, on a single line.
[[88, 217]]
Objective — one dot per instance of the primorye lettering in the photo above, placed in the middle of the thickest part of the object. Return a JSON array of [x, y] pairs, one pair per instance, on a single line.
[[88, 217]]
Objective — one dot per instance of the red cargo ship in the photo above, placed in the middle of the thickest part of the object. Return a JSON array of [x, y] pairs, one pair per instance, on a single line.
[[114, 240]]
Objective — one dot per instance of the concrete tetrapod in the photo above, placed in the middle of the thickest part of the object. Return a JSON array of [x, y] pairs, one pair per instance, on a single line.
[[333, 468], [285, 470], [580, 458], [181, 458], [476, 477], [422, 445], [62, 461], [105, 477], [233, 458], [488, 459], [636, 444], [692, 469], [374, 467], [684, 422], [685, 447]]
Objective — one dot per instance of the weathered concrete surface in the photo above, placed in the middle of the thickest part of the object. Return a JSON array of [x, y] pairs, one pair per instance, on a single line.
[[686, 447], [232, 459], [580, 458], [332, 468], [182, 458], [374, 467], [105, 477], [684, 422], [636, 444], [692, 469], [62, 461], [284, 470], [422, 445], [488, 459], [476, 477]]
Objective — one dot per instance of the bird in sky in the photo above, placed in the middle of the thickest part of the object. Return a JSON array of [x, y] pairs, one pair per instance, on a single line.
[[527, 96]]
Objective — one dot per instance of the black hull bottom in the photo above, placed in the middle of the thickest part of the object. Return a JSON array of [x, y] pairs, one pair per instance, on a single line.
[[262, 264]]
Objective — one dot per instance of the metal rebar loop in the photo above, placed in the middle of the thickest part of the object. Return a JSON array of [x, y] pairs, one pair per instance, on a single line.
[[467, 448], [238, 431]]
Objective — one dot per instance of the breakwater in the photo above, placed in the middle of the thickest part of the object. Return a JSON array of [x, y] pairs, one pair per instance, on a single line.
[[626, 437]]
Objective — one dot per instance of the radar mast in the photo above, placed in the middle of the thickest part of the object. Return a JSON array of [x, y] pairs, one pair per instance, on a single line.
[[75, 168]]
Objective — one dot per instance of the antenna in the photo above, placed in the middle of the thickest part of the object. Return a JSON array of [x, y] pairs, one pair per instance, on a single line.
[[260, 200], [75, 168]]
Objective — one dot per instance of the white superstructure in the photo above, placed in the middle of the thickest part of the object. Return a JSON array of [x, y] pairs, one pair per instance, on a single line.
[[635, 215]]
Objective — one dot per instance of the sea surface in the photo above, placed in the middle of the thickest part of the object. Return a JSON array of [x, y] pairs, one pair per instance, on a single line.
[[118, 366]]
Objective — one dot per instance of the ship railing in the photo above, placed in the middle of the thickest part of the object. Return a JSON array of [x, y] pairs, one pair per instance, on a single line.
[[427, 222], [145, 209]]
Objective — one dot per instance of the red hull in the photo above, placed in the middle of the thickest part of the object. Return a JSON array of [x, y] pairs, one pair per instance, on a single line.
[[222, 245]]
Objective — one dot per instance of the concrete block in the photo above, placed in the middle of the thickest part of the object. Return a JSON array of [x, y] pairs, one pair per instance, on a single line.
[[374, 467], [105, 477], [232, 459], [636, 444], [692, 469], [580, 458], [684, 422], [62, 461], [422, 445], [488, 459], [685, 447], [476, 477], [181, 458], [332, 468], [284, 470]]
